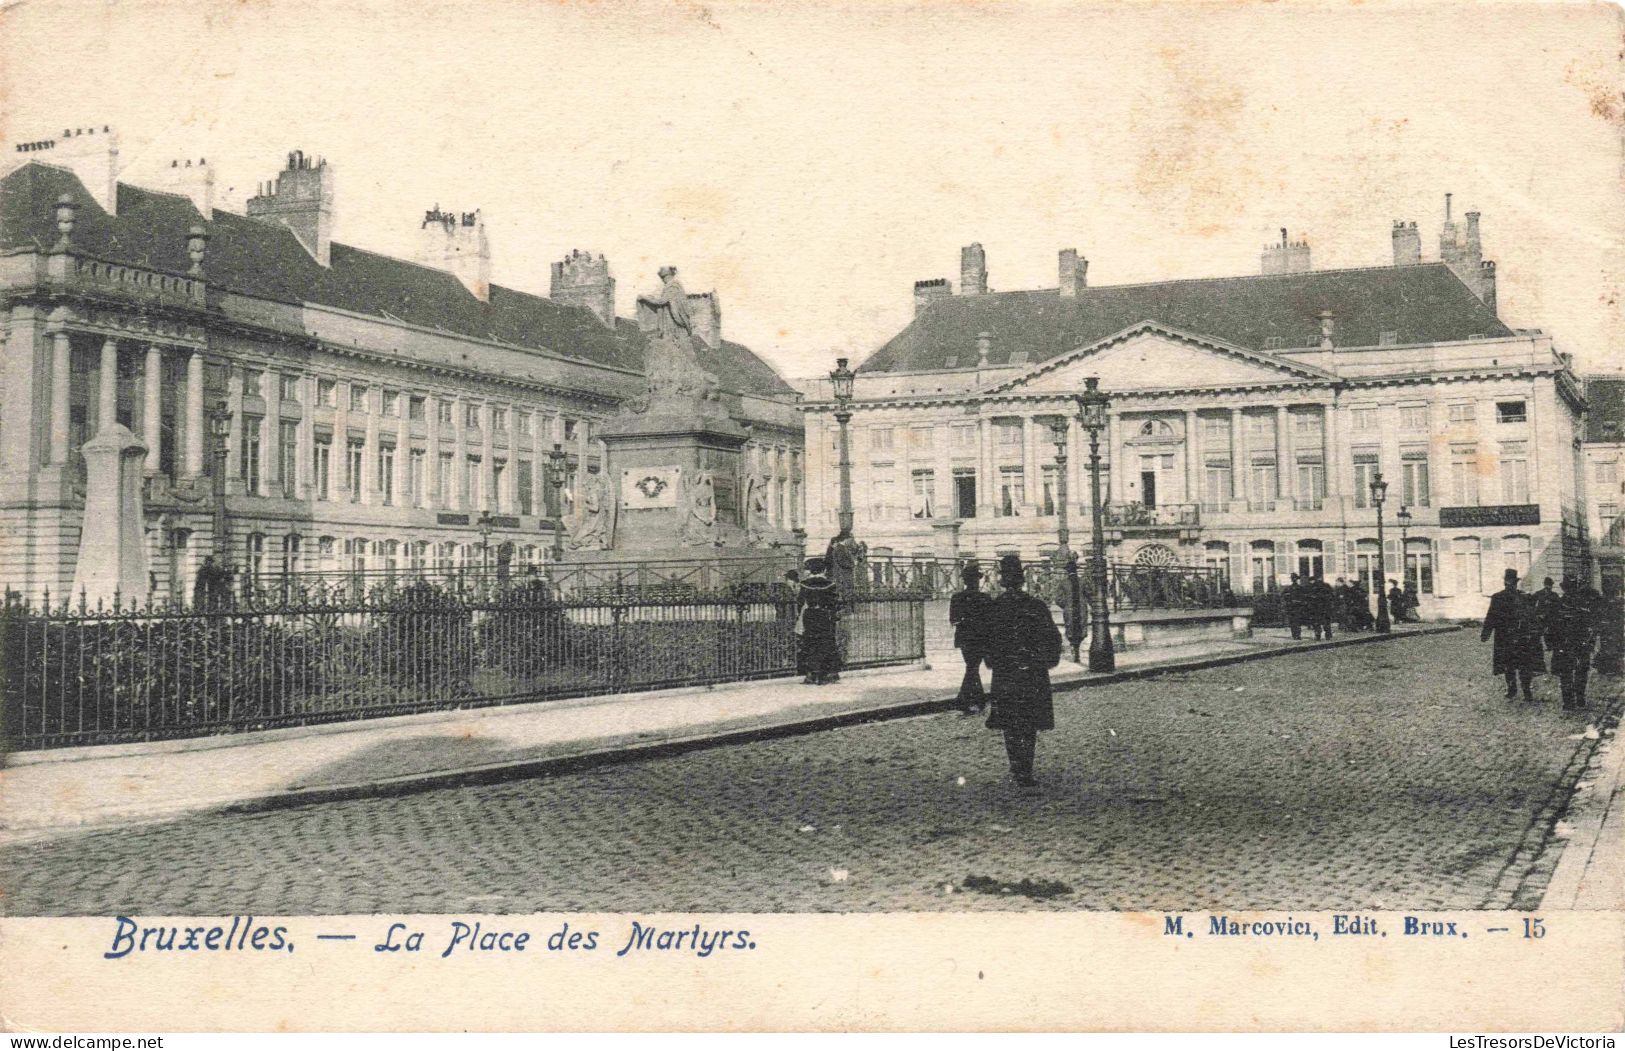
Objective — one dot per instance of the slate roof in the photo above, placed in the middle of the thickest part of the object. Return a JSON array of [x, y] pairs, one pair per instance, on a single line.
[[1605, 421], [1425, 303], [264, 260]]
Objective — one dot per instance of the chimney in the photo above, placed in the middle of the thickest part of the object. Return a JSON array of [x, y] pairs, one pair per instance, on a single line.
[[706, 311], [582, 279], [1407, 244], [190, 178], [1486, 284], [1288, 257], [972, 271], [928, 292], [984, 345], [1472, 232], [89, 152], [1463, 254], [1074, 273], [456, 242], [302, 200], [1326, 319]]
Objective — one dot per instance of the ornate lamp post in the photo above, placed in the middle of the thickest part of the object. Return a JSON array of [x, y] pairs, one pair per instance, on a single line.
[[1073, 595], [1092, 414], [220, 427], [1379, 491], [484, 524], [840, 380], [1403, 517], [556, 470]]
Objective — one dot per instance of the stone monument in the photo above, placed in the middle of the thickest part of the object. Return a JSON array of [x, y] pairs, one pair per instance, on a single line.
[[112, 560], [672, 479]]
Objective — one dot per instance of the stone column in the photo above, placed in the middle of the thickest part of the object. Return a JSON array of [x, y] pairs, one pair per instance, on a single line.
[[488, 460], [1032, 464], [305, 456], [1238, 457], [195, 426], [338, 470], [112, 562], [432, 483], [61, 383], [271, 436], [582, 449], [1193, 458], [1335, 457], [942, 470], [107, 387], [987, 484], [369, 452], [152, 406], [1119, 468], [403, 451], [234, 438], [1285, 468]]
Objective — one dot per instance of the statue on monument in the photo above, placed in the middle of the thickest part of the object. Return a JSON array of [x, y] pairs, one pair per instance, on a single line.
[[595, 524], [755, 511], [672, 366], [700, 511]]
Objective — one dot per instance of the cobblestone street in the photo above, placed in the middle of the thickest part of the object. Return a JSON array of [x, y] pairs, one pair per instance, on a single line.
[[1391, 775]]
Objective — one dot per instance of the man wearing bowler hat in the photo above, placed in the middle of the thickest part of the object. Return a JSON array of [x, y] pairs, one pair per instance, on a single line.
[[968, 612], [1023, 644]]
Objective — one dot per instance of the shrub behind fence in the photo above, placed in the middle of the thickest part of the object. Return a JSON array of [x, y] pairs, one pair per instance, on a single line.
[[76, 676]]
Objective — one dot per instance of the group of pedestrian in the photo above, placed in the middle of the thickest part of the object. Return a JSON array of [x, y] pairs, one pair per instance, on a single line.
[[1311, 602], [1016, 637], [1569, 628]]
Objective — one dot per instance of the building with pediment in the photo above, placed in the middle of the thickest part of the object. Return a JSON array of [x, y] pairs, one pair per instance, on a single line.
[[382, 414], [1248, 417]]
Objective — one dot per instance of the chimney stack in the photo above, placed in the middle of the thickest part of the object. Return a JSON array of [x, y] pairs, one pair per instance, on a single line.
[[972, 271], [456, 242], [582, 279], [928, 292], [706, 311], [89, 152], [1074, 273], [1288, 257], [301, 200], [1407, 244], [1486, 284]]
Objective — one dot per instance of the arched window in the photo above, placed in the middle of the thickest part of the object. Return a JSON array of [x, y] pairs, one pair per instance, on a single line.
[[1419, 565], [1311, 560], [1367, 562], [256, 555], [1517, 552], [1216, 556], [1261, 566], [1156, 429], [1468, 565]]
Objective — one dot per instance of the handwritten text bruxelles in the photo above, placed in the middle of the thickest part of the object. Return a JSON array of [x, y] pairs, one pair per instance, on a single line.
[[462, 937]]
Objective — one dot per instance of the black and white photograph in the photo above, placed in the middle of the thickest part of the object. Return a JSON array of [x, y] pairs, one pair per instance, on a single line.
[[653, 476]]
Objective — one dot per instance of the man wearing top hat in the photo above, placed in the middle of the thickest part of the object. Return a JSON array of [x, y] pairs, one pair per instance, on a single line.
[[968, 612], [1513, 621], [1022, 645], [1573, 636]]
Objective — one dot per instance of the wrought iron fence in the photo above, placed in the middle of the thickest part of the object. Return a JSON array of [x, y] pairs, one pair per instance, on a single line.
[[1128, 587], [93, 676]]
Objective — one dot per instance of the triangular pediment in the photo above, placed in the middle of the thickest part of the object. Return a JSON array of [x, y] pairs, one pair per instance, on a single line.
[[1152, 356]]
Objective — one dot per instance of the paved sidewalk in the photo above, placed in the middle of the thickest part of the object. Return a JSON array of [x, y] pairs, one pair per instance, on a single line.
[[43, 793]]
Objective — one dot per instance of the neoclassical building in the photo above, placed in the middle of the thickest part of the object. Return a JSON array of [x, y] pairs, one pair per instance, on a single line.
[[1248, 417], [383, 413]]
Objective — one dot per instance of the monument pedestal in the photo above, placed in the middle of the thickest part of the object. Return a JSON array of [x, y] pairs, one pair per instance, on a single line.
[[675, 483]]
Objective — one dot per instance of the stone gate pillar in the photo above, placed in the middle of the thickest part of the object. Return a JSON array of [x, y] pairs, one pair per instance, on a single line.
[[112, 548]]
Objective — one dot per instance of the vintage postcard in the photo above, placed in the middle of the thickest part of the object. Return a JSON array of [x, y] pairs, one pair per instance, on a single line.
[[822, 516]]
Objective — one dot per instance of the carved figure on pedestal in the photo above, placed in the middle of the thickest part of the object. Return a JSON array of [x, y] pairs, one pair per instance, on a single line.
[[595, 525], [700, 510], [755, 511], [671, 364]]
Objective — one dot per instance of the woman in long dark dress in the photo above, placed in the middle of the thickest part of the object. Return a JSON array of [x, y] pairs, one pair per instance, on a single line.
[[820, 618]]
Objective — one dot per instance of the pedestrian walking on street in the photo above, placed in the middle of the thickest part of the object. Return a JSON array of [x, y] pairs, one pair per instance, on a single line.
[[1573, 634], [1340, 604], [1397, 604], [820, 618], [1546, 601], [969, 611], [1322, 602], [1358, 600], [1023, 644], [1611, 629], [1512, 621], [1292, 606]]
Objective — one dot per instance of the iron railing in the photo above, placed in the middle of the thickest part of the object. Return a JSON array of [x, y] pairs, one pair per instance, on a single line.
[[76, 675], [1128, 586]]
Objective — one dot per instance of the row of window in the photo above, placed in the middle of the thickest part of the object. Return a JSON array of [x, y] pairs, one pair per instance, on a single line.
[[271, 556], [1476, 562]]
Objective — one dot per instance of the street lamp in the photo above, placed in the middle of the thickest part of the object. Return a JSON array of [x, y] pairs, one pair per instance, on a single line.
[[556, 470], [220, 427], [1069, 561], [1092, 414], [1404, 520], [1379, 491], [840, 380], [484, 524]]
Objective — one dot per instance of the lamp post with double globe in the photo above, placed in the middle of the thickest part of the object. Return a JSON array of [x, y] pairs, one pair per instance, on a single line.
[[557, 469], [840, 381], [1379, 492], [1073, 593]]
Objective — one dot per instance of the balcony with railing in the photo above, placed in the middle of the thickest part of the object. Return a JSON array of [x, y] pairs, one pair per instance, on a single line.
[[1135, 518]]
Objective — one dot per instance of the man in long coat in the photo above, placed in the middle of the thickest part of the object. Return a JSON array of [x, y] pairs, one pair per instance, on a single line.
[[1293, 606], [968, 612], [820, 615], [1573, 635], [1513, 622], [1546, 601], [1023, 644], [1323, 606], [1611, 630]]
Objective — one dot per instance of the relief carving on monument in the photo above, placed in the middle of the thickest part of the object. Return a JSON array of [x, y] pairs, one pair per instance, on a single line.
[[700, 511], [594, 525], [754, 511]]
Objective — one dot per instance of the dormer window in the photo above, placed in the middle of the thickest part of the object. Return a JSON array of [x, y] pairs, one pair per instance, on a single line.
[[1274, 342], [1388, 338]]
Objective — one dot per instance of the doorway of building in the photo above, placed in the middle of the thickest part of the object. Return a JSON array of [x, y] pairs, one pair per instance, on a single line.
[[1148, 488]]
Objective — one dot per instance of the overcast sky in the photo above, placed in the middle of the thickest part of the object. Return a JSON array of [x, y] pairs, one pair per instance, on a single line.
[[811, 162]]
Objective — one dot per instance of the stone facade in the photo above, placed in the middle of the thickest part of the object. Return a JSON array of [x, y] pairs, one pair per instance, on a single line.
[[1247, 418], [376, 409]]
